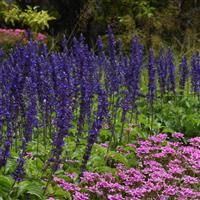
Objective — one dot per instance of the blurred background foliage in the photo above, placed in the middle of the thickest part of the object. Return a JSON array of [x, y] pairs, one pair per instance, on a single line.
[[158, 23]]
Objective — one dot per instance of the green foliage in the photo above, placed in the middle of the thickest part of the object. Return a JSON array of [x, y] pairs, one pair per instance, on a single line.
[[12, 15], [12, 190], [157, 23], [34, 18], [28, 187], [144, 9], [181, 115], [5, 186]]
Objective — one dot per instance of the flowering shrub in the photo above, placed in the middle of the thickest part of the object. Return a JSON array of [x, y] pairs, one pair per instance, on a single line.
[[11, 36], [166, 170], [33, 17]]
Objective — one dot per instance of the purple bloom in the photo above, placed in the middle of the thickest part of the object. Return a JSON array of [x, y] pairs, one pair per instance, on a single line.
[[19, 172], [159, 138], [132, 71], [97, 124], [178, 135], [162, 72], [195, 141], [171, 84], [190, 180], [151, 78], [81, 196], [115, 197], [171, 191], [184, 72], [195, 72]]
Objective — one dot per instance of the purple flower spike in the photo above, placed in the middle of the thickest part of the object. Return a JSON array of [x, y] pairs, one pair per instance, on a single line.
[[151, 78], [195, 72], [184, 72], [171, 85], [162, 72]]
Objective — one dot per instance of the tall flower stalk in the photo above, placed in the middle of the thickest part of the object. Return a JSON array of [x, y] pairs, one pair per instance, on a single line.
[[151, 83], [96, 126], [171, 82], [184, 72], [162, 72]]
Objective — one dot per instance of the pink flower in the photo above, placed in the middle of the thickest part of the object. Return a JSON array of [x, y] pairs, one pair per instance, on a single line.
[[104, 145], [171, 190], [176, 169], [143, 150], [106, 126], [18, 32], [40, 37], [29, 154], [115, 197], [163, 197], [187, 192], [159, 138], [190, 180], [152, 163], [103, 184], [66, 186], [136, 192], [108, 177], [178, 135], [195, 142], [81, 196], [145, 143], [90, 177], [71, 175], [159, 155], [168, 150], [51, 198]]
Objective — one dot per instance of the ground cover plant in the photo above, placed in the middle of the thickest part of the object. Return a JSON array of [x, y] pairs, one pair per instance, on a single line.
[[59, 110], [166, 170]]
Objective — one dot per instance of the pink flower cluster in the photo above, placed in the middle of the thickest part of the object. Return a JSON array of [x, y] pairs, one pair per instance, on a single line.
[[15, 32], [167, 170], [21, 33], [40, 37]]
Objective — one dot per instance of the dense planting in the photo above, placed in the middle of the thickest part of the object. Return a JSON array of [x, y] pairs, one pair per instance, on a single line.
[[55, 106], [166, 170]]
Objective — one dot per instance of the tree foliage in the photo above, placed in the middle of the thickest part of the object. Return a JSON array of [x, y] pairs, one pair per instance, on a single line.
[[158, 23]]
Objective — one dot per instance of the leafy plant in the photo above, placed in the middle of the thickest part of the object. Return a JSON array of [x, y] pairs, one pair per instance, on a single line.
[[35, 19], [144, 10], [32, 17], [12, 15]]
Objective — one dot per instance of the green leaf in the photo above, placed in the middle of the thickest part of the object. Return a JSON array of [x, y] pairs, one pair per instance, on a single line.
[[167, 130], [22, 187], [118, 158], [59, 192], [28, 187], [10, 166], [5, 186], [5, 183], [106, 169], [36, 191]]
